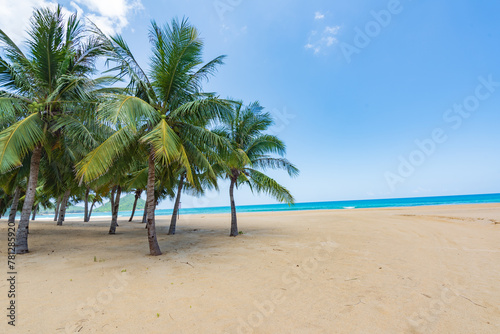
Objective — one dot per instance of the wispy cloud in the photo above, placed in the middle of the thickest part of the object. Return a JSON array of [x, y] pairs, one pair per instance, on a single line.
[[111, 16], [332, 30], [323, 38], [319, 16]]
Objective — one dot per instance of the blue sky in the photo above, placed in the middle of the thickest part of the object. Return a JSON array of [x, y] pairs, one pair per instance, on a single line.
[[351, 94]]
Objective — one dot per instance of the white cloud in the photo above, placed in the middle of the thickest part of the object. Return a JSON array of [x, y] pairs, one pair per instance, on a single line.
[[104, 23], [109, 15], [329, 41], [332, 30], [78, 9], [319, 16], [15, 15], [319, 41]]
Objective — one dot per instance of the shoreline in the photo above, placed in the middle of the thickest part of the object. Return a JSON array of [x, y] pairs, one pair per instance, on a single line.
[[478, 205]]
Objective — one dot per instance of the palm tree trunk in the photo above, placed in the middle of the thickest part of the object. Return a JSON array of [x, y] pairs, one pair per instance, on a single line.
[[58, 205], [86, 202], [35, 210], [91, 208], [114, 211], [138, 194], [173, 221], [112, 197], [21, 246], [234, 223], [2, 208], [62, 209], [154, 248], [13, 207], [145, 214]]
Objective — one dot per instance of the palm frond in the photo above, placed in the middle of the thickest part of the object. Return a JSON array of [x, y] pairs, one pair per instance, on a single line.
[[177, 51], [10, 109], [265, 163], [263, 183], [207, 70], [166, 144], [126, 109], [18, 140], [265, 144], [203, 110], [81, 132], [98, 162]]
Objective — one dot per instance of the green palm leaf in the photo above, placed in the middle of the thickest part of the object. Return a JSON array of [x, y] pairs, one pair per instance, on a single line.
[[263, 183], [126, 109], [265, 163], [18, 140], [98, 162], [166, 144]]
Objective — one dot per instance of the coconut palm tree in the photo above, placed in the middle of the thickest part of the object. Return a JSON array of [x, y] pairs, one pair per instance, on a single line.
[[204, 178], [158, 110], [51, 80], [251, 154]]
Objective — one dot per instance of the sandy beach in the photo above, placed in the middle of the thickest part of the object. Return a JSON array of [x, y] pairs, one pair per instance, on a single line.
[[397, 270]]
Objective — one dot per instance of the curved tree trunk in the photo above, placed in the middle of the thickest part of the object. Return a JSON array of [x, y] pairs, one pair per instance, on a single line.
[[114, 211], [154, 248], [234, 223], [62, 209], [21, 246], [173, 221], [15, 203], [91, 208], [35, 210], [86, 202], [138, 194], [58, 205]]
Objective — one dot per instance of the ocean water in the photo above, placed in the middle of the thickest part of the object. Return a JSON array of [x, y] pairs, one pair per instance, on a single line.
[[354, 204]]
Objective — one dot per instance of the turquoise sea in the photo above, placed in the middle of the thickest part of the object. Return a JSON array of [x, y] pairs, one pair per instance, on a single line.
[[353, 204]]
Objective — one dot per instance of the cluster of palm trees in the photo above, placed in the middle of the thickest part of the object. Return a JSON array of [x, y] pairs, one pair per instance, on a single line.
[[71, 133]]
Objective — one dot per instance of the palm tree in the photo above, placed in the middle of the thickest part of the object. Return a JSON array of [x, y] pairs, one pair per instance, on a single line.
[[251, 151], [52, 80], [203, 179], [137, 195], [4, 200], [158, 110], [14, 184]]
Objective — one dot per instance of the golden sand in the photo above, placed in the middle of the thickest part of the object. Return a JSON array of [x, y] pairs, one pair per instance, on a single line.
[[404, 270]]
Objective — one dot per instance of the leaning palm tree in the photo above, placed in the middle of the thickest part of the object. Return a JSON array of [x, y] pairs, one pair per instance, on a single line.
[[51, 80], [203, 180], [157, 109], [251, 152]]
